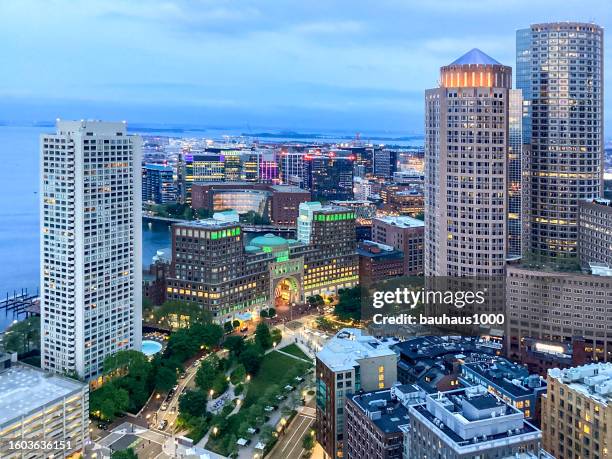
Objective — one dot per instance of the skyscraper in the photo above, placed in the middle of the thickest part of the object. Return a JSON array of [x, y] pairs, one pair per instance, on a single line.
[[90, 245], [466, 148], [329, 175], [566, 158], [515, 148], [158, 185], [523, 78]]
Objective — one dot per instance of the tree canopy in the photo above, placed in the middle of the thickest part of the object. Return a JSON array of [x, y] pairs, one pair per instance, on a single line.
[[349, 303]]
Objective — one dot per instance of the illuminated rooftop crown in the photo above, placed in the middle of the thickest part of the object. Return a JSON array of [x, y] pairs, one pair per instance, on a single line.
[[475, 56]]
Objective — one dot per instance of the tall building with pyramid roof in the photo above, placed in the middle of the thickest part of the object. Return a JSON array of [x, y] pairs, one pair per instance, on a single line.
[[466, 148]]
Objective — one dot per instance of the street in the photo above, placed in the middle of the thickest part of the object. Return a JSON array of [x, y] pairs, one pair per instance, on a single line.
[[289, 445]]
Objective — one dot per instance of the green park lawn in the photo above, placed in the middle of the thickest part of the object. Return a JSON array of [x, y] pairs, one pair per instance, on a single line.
[[294, 349], [274, 367]]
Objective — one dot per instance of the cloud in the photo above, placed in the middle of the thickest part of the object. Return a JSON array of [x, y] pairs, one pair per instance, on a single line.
[[278, 57]]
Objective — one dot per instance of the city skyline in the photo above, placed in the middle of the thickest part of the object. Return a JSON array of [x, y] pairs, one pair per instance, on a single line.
[[270, 262], [249, 66]]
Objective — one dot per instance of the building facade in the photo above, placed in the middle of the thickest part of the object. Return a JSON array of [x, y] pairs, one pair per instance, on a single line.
[[333, 263], [158, 184], [211, 267], [91, 263], [509, 381], [466, 153], [550, 310], [595, 232], [35, 406], [567, 154], [374, 422], [378, 262], [329, 175], [515, 173], [278, 203], [576, 411], [350, 361], [469, 423], [405, 234]]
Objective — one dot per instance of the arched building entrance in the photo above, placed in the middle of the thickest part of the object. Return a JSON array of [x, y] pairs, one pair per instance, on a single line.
[[286, 292]]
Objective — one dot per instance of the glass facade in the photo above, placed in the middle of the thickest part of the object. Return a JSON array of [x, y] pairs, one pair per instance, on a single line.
[[523, 77], [566, 163], [515, 144]]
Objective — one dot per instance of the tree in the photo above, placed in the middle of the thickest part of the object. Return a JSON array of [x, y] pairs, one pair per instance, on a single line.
[[228, 327], [131, 371], [349, 303], [124, 454], [205, 377], [126, 361], [181, 314], [165, 379], [193, 403], [308, 441], [236, 323], [181, 345], [269, 395], [234, 344], [23, 336], [238, 374], [220, 384], [271, 312], [263, 313], [208, 335], [108, 401], [263, 336], [277, 335], [316, 301], [251, 358], [266, 433]]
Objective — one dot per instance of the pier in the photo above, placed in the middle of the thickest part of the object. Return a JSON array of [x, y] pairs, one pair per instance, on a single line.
[[21, 302]]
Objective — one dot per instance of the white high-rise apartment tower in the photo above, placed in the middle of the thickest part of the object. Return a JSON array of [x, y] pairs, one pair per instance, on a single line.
[[91, 268]]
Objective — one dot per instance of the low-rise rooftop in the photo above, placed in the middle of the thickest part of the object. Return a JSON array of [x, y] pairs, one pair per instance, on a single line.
[[343, 351], [471, 418], [402, 221], [509, 377], [384, 409], [25, 389], [593, 380]]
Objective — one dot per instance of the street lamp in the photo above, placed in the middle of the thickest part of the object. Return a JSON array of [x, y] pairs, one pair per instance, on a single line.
[[248, 378], [211, 393], [215, 430]]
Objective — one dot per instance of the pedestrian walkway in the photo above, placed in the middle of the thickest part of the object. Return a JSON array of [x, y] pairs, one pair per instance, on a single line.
[[292, 356]]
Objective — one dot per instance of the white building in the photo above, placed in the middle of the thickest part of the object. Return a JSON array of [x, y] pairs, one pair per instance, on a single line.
[[469, 423], [48, 409], [349, 361], [305, 219], [90, 214]]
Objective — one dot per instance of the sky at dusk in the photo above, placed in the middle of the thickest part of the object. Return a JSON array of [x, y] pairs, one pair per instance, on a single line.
[[253, 64]]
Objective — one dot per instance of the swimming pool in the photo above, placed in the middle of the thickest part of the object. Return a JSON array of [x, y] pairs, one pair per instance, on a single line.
[[150, 348]]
